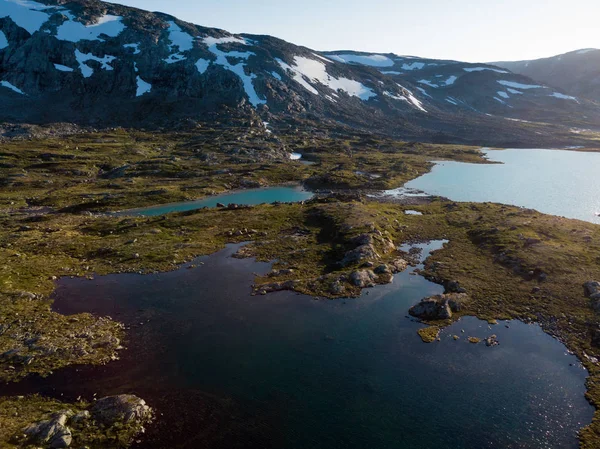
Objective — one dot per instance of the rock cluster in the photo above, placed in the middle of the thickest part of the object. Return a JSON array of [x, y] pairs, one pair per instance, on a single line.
[[492, 340], [440, 307], [54, 433]]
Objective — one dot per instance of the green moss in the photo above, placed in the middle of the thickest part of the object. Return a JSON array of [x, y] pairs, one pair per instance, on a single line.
[[496, 252], [429, 334]]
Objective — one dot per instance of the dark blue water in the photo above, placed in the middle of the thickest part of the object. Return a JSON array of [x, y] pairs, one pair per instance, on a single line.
[[325, 374], [557, 182], [245, 197]]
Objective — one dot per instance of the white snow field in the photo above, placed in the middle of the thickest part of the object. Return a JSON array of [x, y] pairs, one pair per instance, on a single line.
[[370, 60], [315, 72]]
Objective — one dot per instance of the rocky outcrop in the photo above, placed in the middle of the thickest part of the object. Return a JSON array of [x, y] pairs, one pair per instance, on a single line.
[[440, 307], [111, 412], [592, 291], [363, 278], [52, 433], [492, 340], [360, 254], [124, 408]]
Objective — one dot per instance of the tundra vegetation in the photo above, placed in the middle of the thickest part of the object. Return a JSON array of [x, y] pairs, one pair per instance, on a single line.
[[57, 195]]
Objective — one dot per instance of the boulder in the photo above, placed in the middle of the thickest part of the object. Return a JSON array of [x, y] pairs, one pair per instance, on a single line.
[[592, 289], [383, 269], [399, 265], [492, 340], [359, 254], [124, 408], [52, 433], [337, 288], [440, 307], [363, 278], [453, 287]]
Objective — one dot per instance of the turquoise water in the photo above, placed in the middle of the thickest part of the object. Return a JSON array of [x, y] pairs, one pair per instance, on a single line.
[[285, 371], [245, 197], [557, 182]]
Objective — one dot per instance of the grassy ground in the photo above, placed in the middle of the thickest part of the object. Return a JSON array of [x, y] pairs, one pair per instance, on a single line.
[[514, 263]]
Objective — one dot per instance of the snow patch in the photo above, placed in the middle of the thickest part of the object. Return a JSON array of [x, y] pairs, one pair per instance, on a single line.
[[63, 68], [519, 85], [503, 94], [586, 50], [136, 48], [172, 59], [498, 99], [179, 38], [85, 69], [481, 69], [26, 14], [413, 66], [11, 87], [450, 81], [370, 60], [72, 31], [514, 91], [239, 68], [202, 65], [409, 96], [322, 57], [424, 92], [428, 83], [276, 75], [316, 72], [451, 101], [563, 96], [390, 72], [298, 77], [142, 87], [3, 40]]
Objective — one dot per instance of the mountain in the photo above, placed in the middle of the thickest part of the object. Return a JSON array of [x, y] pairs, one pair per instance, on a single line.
[[96, 63], [577, 73]]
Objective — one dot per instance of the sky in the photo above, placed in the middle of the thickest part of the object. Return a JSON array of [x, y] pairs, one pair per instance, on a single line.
[[466, 30]]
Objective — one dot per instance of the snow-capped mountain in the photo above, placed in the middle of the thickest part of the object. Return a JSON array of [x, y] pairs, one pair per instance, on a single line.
[[92, 62], [576, 72]]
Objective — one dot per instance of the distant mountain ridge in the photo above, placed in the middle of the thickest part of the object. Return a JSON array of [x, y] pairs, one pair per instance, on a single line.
[[92, 62], [576, 73]]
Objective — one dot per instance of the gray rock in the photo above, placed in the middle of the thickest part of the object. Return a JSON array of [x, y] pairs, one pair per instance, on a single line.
[[80, 417], [440, 307], [492, 340], [592, 289], [399, 265], [363, 278], [124, 408], [383, 269], [337, 288], [366, 252], [52, 432]]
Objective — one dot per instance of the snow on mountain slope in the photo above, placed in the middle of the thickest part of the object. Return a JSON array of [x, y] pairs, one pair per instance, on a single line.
[[454, 84], [576, 73], [87, 60]]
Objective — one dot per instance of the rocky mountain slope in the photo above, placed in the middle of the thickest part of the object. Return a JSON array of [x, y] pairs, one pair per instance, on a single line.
[[576, 73], [91, 62]]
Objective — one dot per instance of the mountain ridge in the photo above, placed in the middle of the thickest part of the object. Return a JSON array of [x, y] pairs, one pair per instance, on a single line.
[[96, 63], [576, 72]]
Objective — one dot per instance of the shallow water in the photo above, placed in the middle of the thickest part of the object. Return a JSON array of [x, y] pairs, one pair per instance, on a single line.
[[557, 182], [226, 369], [244, 197]]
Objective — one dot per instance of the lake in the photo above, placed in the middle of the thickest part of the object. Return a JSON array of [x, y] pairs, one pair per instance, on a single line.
[[247, 197], [225, 369], [557, 182]]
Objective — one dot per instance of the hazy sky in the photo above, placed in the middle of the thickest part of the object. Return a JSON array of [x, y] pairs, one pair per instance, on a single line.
[[469, 30]]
